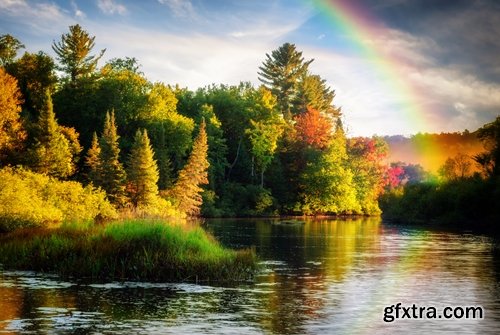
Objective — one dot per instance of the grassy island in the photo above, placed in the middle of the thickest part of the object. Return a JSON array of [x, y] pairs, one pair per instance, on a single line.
[[131, 250]]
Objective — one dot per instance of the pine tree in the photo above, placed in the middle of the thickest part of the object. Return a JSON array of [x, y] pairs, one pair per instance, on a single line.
[[281, 73], [92, 162], [73, 53], [112, 174], [187, 190], [51, 152], [142, 171]]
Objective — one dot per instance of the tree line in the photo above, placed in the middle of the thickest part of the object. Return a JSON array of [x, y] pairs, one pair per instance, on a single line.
[[242, 150]]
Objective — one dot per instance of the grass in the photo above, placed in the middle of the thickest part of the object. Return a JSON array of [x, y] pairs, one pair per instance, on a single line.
[[130, 250]]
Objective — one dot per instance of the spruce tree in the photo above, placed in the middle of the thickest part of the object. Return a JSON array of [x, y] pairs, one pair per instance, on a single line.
[[51, 151], [142, 171], [187, 190], [92, 162], [112, 174]]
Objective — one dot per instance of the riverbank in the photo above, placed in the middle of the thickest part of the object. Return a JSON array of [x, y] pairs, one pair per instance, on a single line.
[[145, 250]]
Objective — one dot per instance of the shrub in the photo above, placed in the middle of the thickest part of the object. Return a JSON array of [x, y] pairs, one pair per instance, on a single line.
[[29, 199]]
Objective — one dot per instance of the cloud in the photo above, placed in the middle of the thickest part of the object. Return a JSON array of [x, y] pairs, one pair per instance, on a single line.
[[40, 17], [180, 8], [111, 7], [77, 12]]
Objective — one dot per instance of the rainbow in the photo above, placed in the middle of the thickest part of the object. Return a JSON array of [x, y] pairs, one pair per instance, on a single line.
[[362, 27]]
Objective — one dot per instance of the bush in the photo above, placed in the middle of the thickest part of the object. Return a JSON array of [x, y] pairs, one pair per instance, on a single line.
[[29, 199]]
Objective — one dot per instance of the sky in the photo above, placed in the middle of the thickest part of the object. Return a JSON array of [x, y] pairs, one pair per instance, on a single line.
[[397, 66]]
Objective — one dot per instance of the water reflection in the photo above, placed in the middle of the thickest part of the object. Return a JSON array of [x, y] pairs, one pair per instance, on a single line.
[[324, 276]]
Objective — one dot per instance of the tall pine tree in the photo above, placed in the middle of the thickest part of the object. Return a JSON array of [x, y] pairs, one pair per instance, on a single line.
[[187, 190], [142, 171], [281, 73], [112, 174], [51, 152]]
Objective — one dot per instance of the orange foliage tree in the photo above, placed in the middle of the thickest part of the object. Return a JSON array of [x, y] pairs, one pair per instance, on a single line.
[[313, 128]]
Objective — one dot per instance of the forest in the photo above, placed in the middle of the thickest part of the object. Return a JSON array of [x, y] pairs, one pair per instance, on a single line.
[[83, 141]]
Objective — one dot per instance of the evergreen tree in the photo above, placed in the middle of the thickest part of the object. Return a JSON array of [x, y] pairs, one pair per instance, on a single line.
[[92, 162], [73, 53], [281, 73], [51, 152], [142, 171], [112, 174], [313, 92], [187, 190]]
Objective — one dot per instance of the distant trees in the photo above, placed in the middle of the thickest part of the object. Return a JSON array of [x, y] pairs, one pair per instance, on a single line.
[[490, 135]]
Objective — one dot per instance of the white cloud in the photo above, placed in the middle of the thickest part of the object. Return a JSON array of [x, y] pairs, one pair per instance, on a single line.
[[111, 7], [77, 12], [180, 8]]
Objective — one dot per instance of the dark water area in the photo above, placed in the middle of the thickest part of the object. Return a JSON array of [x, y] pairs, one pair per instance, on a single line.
[[317, 277]]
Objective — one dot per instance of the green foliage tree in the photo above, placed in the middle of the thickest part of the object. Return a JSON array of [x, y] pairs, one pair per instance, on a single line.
[[35, 74], [113, 177], [11, 129], [313, 92], [51, 152], [142, 172], [187, 190], [281, 72], [9, 45], [73, 53]]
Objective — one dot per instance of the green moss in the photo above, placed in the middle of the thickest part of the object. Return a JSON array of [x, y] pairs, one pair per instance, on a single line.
[[130, 250]]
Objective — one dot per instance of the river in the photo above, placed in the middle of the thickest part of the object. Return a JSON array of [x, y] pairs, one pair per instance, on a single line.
[[321, 277]]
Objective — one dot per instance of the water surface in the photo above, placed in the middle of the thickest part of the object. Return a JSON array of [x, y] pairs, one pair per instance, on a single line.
[[321, 277]]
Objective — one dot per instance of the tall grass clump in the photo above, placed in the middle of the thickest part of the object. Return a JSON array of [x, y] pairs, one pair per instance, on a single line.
[[130, 250], [29, 199]]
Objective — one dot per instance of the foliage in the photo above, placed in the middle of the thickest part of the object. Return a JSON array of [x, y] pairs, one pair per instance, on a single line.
[[112, 175], [130, 250], [280, 72], [29, 199], [142, 172], [456, 167], [313, 129], [490, 135], [11, 130], [73, 53], [187, 189], [55, 149], [9, 45], [35, 74]]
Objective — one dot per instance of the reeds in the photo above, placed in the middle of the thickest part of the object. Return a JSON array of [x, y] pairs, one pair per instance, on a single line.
[[144, 250]]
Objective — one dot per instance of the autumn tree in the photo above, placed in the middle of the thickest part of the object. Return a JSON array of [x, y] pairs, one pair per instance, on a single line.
[[187, 190], [112, 174], [281, 72], [73, 53], [366, 161], [9, 45], [456, 167], [51, 152], [142, 171], [313, 129], [11, 130], [313, 92]]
